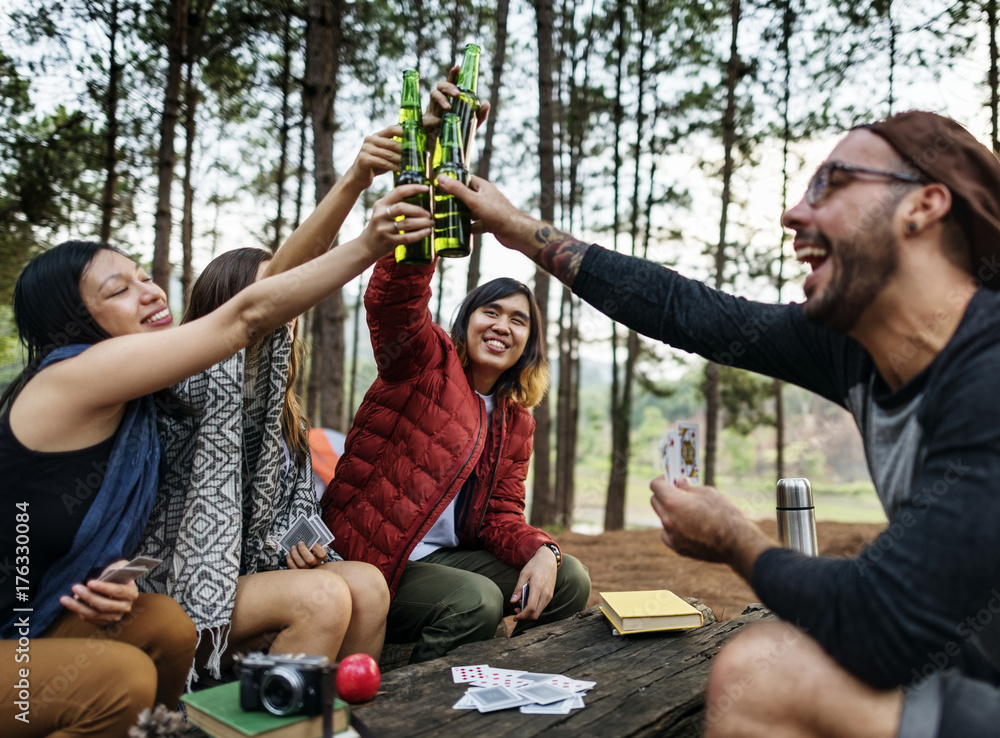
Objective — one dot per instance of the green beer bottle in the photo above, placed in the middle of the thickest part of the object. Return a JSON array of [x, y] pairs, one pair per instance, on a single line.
[[466, 105], [409, 106], [413, 167], [452, 221]]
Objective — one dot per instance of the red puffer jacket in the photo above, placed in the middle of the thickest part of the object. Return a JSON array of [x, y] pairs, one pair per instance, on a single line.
[[417, 437]]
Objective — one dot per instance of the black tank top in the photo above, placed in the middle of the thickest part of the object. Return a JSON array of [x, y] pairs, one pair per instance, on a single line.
[[58, 489]]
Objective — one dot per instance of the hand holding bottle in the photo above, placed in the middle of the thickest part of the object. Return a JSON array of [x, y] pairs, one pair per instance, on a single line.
[[379, 154], [441, 95], [493, 213], [396, 220]]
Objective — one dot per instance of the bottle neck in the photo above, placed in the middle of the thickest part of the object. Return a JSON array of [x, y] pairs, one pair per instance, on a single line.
[[468, 73], [409, 103]]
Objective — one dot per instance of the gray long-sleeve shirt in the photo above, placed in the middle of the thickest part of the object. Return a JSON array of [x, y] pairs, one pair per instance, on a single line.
[[926, 593]]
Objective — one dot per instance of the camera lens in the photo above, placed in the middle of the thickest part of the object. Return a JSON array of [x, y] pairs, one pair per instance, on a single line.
[[282, 690]]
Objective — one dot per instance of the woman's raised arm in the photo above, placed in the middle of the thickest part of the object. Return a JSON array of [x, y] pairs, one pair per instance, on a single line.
[[379, 154], [122, 368]]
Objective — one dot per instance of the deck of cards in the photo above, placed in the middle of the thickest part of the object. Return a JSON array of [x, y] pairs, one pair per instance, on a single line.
[[310, 530], [500, 689], [679, 453]]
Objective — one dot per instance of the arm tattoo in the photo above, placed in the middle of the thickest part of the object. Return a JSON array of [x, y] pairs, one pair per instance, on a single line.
[[561, 255]]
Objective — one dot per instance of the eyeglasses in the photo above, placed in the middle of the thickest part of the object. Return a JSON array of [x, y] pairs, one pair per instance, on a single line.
[[822, 182]]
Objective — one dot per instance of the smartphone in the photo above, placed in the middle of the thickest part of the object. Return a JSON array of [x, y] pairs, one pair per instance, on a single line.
[[132, 570]]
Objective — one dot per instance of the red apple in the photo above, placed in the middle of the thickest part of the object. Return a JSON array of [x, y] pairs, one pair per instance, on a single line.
[[358, 678]]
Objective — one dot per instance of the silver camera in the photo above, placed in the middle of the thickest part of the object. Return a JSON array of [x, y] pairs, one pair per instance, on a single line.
[[284, 684]]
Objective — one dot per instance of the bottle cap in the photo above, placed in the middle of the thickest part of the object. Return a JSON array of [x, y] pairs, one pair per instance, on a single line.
[[794, 493]]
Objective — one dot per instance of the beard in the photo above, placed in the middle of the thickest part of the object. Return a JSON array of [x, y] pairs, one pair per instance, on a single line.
[[862, 266]]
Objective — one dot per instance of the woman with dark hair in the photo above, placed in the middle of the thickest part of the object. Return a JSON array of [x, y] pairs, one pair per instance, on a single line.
[[265, 595], [430, 488], [79, 456]]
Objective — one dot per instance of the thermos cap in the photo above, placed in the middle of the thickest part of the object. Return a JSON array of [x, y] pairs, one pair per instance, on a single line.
[[794, 493]]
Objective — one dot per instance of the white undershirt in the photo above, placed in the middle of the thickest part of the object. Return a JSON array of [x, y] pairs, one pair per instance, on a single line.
[[443, 533]]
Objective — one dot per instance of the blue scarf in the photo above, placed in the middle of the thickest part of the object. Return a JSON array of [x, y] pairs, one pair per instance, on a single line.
[[116, 519]]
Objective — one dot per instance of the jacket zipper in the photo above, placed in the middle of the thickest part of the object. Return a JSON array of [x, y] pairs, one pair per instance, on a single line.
[[493, 479], [447, 486]]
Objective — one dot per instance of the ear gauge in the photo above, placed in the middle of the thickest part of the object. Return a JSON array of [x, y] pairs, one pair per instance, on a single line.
[[911, 226]]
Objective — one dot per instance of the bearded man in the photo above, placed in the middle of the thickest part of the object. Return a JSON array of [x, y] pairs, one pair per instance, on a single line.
[[901, 326]]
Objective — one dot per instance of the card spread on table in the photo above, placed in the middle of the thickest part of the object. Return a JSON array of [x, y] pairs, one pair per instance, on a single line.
[[489, 699], [499, 689]]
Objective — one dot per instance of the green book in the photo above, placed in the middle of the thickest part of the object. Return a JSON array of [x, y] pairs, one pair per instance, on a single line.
[[217, 712]]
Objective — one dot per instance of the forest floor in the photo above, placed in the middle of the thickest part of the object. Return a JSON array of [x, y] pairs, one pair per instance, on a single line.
[[638, 559]]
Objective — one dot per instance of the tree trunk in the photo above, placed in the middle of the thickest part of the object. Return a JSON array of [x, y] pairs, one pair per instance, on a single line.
[[283, 128], [111, 127], [566, 410], [166, 157], [991, 22], [567, 413], [306, 320], [483, 166], [184, 31], [323, 38], [614, 510], [543, 502], [787, 26], [728, 143], [893, 32], [187, 219]]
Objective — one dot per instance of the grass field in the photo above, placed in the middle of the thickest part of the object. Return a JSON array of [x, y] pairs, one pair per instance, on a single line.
[[854, 502]]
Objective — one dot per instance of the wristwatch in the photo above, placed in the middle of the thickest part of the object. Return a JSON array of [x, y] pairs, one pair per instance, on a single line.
[[555, 549]]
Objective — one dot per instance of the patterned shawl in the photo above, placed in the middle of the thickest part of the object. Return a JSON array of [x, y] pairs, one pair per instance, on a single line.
[[229, 491]]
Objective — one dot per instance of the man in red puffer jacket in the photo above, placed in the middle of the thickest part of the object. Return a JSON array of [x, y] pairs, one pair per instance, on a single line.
[[430, 488]]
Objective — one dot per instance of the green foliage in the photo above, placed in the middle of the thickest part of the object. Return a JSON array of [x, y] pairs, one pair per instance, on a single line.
[[743, 396], [44, 161]]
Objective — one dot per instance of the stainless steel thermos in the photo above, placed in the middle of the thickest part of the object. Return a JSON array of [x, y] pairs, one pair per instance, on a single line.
[[796, 515]]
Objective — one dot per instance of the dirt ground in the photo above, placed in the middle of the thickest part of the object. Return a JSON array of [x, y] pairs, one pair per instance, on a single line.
[[637, 559]]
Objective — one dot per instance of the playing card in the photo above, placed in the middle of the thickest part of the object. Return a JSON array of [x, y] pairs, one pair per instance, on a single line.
[[325, 536], [544, 694], [463, 674], [499, 678], [534, 676], [572, 685], [662, 447], [562, 707], [688, 438], [670, 454], [466, 703], [301, 530], [495, 698]]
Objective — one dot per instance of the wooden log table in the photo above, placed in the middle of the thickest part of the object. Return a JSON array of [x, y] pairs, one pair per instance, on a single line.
[[647, 684]]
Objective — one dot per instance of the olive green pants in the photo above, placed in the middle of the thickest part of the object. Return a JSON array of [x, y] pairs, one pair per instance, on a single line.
[[455, 596]]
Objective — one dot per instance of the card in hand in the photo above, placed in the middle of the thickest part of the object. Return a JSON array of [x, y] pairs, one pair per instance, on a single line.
[[669, 456], [325, 536], [301, 530], [130, 571], [690, 467]]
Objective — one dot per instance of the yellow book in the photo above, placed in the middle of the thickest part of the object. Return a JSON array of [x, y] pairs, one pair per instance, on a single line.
[[649, 610]]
